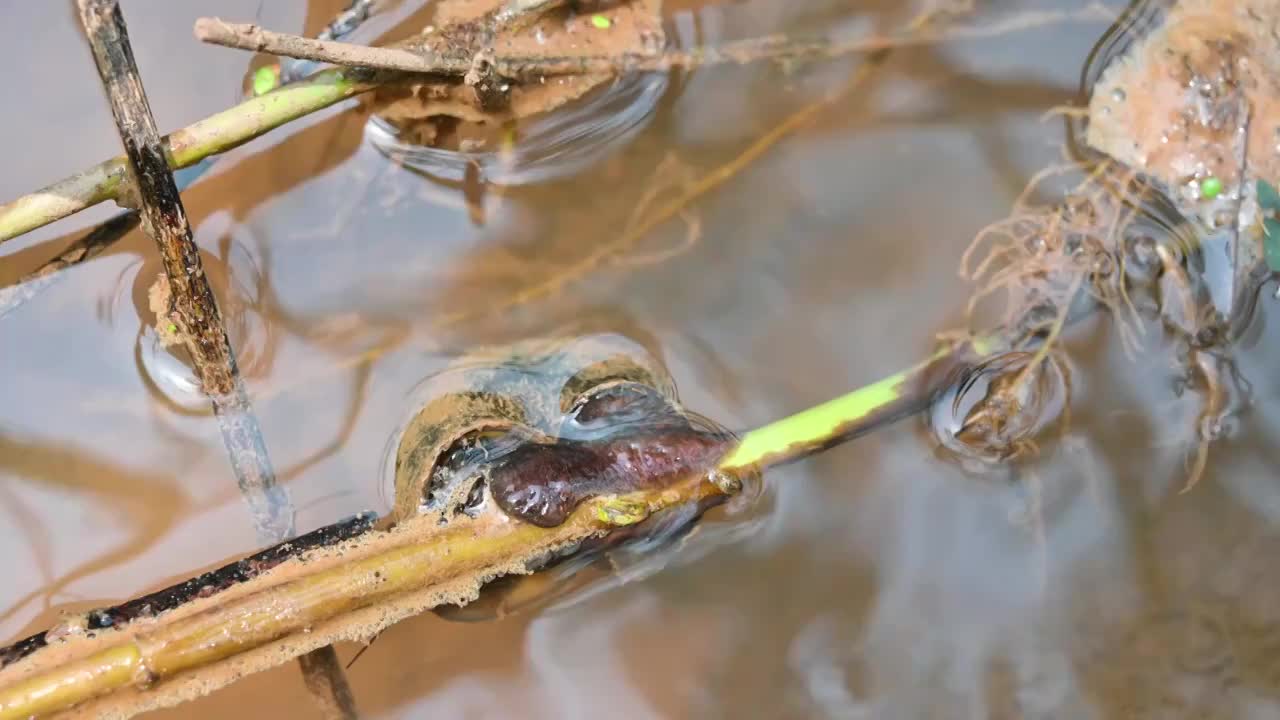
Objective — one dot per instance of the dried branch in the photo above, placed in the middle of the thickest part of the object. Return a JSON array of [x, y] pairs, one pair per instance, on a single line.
[[194, 311], [414, 60], [86, 248], [343, 24], [193, 308], [254, 38], [215, 134], [327, 683]]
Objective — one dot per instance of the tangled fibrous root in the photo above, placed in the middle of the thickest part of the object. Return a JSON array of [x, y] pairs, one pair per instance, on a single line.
[[1048, 260], [1036, 266]]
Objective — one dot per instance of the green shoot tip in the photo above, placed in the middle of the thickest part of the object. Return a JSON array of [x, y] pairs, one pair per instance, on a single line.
[[265, 79], [1210, 188]]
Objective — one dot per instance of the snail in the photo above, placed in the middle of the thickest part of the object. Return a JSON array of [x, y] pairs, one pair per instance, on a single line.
[[530, 431]]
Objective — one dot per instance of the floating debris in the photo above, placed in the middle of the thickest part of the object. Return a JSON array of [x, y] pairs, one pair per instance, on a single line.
[[441, 113], [1194, 106]]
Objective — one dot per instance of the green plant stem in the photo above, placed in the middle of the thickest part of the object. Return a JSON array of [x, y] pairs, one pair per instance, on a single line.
[[856, 413], [413, 562], [215, 134]]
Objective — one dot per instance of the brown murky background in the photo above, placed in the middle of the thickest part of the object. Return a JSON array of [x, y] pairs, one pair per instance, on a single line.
[[876, 581]]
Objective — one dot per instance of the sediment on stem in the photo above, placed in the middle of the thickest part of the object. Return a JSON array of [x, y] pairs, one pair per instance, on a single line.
[[194, 311], [257, 116]]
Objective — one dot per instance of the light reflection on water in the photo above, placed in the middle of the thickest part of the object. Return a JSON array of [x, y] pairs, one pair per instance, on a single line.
[[552, 147], [877, 581]]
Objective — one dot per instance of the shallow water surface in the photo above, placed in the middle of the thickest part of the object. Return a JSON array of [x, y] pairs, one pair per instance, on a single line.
[[879, 580]]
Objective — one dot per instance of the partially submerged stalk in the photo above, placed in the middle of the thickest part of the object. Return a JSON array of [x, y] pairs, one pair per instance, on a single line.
[[355, 588], [192, 308], [247, 36], [252, 118], [194, 311], [352, 592], [215, 134], [856, 413]]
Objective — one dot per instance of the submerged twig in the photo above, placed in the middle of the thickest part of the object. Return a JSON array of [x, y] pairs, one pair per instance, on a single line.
[[192, 308], [327, 683], [362, 580], [86, 248], [194, 311], [638, 227], [215, 134]]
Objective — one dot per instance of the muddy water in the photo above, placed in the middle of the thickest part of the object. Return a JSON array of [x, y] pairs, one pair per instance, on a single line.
[[878, 580]]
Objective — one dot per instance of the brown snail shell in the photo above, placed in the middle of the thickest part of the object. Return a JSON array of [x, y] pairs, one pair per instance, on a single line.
[[526, 389]]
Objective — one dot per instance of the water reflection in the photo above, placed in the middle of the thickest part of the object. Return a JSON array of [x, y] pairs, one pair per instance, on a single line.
[[239, 286], [550, 147], [145, 504], [877, 581], [1001, 409], [484, 429]]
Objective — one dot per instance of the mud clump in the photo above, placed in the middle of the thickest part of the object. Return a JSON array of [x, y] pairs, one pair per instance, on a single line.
[[477, 112], [1195, 106]]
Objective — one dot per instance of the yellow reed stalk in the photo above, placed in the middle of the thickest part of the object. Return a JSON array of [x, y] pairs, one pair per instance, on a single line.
[[290, 609]]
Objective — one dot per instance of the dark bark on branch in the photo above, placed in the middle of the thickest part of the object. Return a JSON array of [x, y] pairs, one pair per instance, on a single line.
[[205, 584], [87, 247], [194, 310]]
